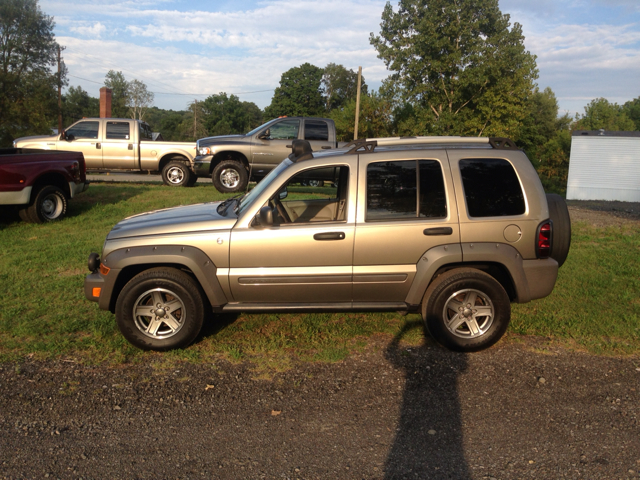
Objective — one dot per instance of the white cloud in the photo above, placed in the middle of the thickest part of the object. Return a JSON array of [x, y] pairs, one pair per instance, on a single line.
[[96, 30]]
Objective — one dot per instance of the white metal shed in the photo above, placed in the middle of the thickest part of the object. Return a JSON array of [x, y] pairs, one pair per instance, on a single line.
[[604, 166]]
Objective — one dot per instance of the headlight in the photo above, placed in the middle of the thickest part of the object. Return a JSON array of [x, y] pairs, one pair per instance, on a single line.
[[204, 151]]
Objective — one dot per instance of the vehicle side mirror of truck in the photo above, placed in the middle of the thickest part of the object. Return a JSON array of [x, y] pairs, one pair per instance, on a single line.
[[265, 135], [265, 216], [283, 194], [69, 136]]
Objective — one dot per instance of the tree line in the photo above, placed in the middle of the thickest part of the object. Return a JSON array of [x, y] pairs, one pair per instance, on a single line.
[[456, 68]]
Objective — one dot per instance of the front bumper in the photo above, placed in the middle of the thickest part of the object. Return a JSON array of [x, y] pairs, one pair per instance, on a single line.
[[202, 165]]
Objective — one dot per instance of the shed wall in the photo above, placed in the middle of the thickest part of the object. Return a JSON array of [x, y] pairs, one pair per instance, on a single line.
[[604, 168]]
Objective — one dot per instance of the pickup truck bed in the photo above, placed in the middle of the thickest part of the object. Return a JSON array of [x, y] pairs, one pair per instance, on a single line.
[[39, 182]]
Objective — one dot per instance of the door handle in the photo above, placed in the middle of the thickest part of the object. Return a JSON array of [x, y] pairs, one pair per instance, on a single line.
[[325, 148], [98, 146], [289, 146], [329, 236], [130, 147], [438, 231]]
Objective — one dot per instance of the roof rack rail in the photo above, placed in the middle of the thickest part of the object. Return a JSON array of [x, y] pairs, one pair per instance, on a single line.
[[368, 145]]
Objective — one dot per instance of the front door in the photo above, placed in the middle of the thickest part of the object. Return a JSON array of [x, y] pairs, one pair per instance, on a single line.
[[268, 152], [84, 137], [305, 257]]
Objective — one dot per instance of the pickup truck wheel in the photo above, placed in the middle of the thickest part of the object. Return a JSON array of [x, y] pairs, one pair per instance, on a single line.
[[230, 176], [49, 205], [466, 310], [316, 183], [177, 174], [559, 215], [160, 309]]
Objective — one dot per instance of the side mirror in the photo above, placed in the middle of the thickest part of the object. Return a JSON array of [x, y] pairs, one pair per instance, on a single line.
[[284, 193], [265, 216], [69, 136], [265, 135]]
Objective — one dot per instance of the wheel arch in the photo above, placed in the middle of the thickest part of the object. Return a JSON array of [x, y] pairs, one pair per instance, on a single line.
[[53, 179], [170, 157], [228, 155], [126, 263]]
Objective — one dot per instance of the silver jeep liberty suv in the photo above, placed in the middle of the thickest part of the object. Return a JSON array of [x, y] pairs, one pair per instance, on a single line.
[[455, 228]]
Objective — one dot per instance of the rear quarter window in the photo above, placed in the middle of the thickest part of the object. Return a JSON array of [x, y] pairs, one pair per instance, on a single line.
[[491, 188]]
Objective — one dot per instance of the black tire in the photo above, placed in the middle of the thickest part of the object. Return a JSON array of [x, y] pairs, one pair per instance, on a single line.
[[177, 174], [230, 176], [454, 289], [316, 183], [174, 291], [192, 180], [559, 215], [49, 205]]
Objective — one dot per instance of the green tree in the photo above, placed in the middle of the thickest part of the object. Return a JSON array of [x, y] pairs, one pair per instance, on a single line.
[[76, 104], [375, 118], [228, 115], [299, 93], [542, 122], [340, 85], [601, 114], [459, 64], [193, 126], [139, 99], [119, 93], [28, 50], [632, 110]]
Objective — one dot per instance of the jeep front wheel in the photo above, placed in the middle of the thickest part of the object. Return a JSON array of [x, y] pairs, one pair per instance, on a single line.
[[466, 310], [230, 176], [160, 309]]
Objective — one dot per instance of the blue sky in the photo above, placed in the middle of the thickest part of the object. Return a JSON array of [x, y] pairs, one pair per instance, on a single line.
[[185, 50]]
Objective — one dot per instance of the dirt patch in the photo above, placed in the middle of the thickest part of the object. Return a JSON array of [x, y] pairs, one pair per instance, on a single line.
[[600, 213]]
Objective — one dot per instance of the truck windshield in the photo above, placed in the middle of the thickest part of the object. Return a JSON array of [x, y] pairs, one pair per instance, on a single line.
[[257, 129], [262, 184]]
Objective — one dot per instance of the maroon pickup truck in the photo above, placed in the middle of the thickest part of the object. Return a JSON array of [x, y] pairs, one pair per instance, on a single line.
[[38, 182]]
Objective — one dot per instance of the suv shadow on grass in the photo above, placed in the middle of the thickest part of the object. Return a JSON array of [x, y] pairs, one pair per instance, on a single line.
[[103, 195], [429, 440]]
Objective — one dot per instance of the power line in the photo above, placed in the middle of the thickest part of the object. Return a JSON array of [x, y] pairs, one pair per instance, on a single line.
[[182, 94]]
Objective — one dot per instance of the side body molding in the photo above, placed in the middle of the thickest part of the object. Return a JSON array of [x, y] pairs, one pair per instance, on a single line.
[[190, 257], [428, 265]]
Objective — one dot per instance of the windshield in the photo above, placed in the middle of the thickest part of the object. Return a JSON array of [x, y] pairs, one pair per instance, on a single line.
[[262, 184], [256, 130]]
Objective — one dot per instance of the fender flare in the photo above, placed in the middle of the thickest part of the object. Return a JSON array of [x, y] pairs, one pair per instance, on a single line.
[[190, 257]]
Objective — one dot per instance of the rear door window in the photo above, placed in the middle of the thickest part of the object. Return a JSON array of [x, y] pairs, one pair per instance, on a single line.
[[405, 189], [316, 130], [491, 188], [118, 131]]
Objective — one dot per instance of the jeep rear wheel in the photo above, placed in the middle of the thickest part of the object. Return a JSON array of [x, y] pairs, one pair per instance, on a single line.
[[466, 310], [160, 309]]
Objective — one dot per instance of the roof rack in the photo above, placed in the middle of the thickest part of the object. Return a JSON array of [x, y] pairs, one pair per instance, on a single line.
[[368, 145]]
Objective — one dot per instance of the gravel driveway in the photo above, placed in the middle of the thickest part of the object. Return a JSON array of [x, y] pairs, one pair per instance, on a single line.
[[519, 410]]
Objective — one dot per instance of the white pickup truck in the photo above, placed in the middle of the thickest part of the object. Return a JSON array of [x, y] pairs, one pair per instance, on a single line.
[[121, 144]]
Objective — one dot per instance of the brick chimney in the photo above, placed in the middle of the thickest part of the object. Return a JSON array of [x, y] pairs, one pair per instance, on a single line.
[[105, 102]]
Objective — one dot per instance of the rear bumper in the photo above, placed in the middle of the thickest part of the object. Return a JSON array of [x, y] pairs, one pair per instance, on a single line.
[[76, 188], [541, 276]]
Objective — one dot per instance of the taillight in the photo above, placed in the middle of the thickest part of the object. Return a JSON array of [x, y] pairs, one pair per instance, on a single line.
[[544, 239]]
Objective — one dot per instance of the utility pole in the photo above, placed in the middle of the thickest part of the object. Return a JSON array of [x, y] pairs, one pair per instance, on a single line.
[[355, 130], [59, 94], [195, 119]]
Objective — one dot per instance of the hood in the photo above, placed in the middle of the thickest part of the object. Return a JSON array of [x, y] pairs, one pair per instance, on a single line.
[[38, 138], [177, 220], [223, 139]]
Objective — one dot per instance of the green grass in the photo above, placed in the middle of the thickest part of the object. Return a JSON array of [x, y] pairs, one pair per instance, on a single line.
[[43, 312]]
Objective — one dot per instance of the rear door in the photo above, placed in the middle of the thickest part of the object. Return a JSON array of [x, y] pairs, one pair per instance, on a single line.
[[118, 147], [316, 131], [406, 206]]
